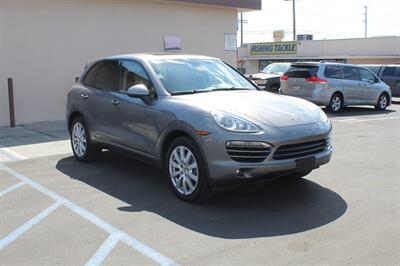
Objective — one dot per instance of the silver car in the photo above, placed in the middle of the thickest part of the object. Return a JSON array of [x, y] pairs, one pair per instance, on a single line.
[[335, 85], [197, 118]]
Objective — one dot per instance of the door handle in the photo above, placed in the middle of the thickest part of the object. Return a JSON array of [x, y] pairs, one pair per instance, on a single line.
[[84, 96], [115, 102]]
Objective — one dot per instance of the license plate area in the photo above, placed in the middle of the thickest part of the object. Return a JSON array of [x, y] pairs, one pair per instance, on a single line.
[[305, 164], [296, 87]]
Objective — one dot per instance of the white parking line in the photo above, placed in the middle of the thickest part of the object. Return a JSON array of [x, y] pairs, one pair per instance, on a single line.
[[104, 250], [134, 243], [26, 226], [12, 188], [11, 155]]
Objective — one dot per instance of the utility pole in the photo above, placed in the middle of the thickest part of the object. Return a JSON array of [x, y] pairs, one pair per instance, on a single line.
[[241, 29], [294, 18], [242, 21], [366, 20]]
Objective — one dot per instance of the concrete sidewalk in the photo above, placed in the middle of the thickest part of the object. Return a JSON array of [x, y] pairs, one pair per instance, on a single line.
[[396, 100], [33, 140]]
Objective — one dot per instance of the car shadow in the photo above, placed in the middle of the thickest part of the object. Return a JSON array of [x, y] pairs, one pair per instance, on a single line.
[[357, 111], [262, 209]]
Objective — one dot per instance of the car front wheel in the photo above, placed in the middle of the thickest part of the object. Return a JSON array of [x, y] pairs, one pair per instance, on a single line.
[[335, 103], [185, 168], [82, 146], [382, 102]]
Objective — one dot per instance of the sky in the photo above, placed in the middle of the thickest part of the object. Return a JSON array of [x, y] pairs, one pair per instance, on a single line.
[[325, 19]]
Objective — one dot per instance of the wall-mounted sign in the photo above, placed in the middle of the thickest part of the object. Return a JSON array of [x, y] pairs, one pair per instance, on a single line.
[[273, 48], [230, 41], [172, 43]]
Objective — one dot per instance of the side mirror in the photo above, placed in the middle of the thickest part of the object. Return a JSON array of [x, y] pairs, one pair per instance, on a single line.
[[138, 91]]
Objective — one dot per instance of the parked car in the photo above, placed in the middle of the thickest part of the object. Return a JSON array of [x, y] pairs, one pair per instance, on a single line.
[[335, 85], [390, 74], [196, 117], [269, 78]]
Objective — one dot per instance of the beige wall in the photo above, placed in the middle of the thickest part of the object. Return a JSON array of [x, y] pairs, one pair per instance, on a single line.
[[45, 44]]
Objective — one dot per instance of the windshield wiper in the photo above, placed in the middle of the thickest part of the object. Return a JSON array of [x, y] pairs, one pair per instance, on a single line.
[[231, 89], [208, 90], [189, 92]]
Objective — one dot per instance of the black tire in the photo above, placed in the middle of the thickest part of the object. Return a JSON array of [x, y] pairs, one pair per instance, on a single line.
[[202, 190], [92, 152], [274, 89], [336, 103], [383, 102]]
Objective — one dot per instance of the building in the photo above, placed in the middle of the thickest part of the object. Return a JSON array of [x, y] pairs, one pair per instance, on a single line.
[[378, 50], [46, 43]]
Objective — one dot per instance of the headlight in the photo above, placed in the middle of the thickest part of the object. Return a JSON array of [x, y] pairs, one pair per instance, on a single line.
[[261, 81], [233, 123], [323, 117]]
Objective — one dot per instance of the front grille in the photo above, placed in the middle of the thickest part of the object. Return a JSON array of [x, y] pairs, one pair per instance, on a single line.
[[248, 154], [299, 150]]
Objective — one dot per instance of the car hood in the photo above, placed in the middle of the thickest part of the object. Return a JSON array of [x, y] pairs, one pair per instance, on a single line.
[[262, 108], [264, 76]]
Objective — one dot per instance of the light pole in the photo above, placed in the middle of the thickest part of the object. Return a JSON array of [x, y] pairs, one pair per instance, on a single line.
[[294, 18]]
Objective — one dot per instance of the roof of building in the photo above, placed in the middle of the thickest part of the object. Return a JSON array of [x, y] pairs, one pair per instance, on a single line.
[[241, 4]]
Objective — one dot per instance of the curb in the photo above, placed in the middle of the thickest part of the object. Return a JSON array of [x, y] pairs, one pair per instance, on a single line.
[[396, 100]]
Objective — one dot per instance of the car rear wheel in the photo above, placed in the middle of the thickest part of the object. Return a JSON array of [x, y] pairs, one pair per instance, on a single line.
[[185, 168], [382, 102], [336, 103], [82, 146], [274, 89]]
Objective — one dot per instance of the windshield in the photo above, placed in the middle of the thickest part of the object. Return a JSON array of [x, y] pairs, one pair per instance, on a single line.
[[276, 68], [198, 75]]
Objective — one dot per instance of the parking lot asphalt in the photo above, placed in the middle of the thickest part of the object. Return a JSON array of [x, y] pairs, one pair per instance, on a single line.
[[118, 211]]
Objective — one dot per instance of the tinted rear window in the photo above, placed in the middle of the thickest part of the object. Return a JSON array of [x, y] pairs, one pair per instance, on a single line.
[[302, 71], [334, 72], [351, 73], [389, 71]]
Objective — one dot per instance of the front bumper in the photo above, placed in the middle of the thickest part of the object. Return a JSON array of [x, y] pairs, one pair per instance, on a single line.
[[222, 168], [231, 170]]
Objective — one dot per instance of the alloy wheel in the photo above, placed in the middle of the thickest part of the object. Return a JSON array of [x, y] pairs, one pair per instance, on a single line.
[[383, 102], [79, 141], [336, 103], [183, 170]]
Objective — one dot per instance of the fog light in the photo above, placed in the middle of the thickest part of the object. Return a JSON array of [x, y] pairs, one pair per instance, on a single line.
[[246, 144]]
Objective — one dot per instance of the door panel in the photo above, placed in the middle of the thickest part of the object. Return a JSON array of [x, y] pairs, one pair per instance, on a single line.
[[370, 87], [136, 124], [135, 120], [352, 85]]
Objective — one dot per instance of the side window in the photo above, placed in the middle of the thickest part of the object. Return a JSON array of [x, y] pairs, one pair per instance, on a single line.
[[389, 71], [133, 73], [107, 76], [334, 72], [366, 75], [351, 73], [88, 80]]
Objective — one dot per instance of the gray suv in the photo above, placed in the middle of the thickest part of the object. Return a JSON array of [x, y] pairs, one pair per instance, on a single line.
[[335, 85], [197, 118]]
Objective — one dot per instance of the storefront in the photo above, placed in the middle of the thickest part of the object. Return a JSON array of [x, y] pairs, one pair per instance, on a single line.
[[380, 50]]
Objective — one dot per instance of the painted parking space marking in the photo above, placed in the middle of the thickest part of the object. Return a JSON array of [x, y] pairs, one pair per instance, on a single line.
[[12, 188], [26, 226], [115, 234], [10, 155], [104, 250]]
